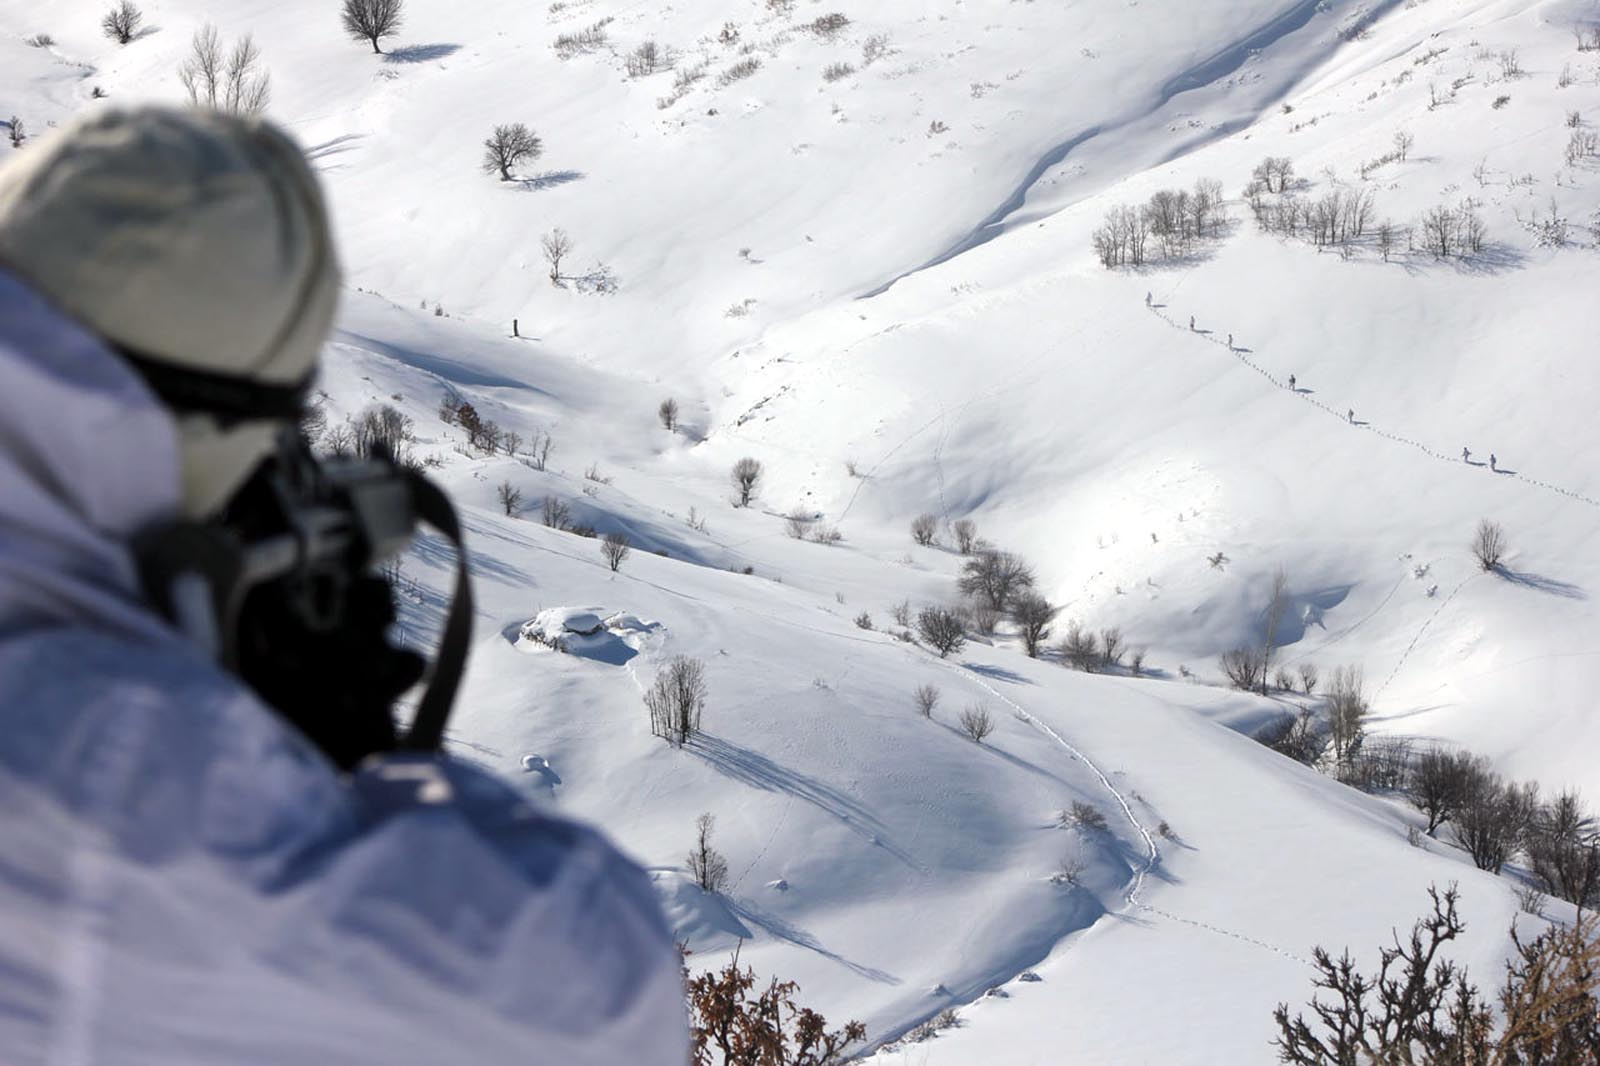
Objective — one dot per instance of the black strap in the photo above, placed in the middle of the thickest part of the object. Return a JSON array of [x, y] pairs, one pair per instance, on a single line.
[[233, 398], [433, 713]]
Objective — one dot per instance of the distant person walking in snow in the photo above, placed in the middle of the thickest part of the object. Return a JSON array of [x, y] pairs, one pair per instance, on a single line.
[[1147, 298], [1191, 323], [1350, 416], [1291, 383], [1492, 461], [1230, 342]]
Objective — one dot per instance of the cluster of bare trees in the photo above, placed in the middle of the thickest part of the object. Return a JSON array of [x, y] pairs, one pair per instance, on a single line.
[[233, 82], [1173, 219], [675, 700], [486, 436], [1339, 216], [1452, 231], [1420, 1007]]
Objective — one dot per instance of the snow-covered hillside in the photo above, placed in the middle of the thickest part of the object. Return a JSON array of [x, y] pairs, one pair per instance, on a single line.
[[883, 287]]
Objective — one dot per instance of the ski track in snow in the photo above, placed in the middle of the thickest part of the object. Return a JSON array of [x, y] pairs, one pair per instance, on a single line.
[[1131, 892]]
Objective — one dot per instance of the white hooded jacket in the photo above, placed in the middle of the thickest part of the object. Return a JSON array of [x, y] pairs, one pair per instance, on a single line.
[[184, 879]]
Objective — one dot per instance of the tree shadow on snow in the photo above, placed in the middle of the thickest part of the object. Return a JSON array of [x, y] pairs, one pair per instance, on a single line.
[[997, 673], [756, 770], [551, 178], [420, 53], [1540, 583], [793, 934]]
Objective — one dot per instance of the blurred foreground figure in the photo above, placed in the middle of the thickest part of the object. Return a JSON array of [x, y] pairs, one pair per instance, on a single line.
[[215, 845]]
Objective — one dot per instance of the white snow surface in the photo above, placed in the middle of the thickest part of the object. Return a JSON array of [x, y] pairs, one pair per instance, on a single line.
[[893, 271]]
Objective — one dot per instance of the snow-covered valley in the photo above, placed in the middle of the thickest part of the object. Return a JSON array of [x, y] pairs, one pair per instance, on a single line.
[[883, 285]]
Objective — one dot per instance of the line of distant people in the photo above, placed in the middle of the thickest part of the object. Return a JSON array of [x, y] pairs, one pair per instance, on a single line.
[[1350, 415]]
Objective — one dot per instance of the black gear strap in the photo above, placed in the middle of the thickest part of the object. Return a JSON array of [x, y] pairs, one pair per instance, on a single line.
[[433, 713], [231, 399]]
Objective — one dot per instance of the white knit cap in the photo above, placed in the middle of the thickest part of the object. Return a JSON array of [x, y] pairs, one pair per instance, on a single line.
[[196, 243]]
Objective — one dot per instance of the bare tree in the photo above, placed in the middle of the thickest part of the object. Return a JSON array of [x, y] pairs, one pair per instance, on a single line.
[[1493, 817], [1402, 144], [235, 85], [995, 578], [122, 22], [510, 498], [966, 534], [668, 413], [1347, 711], [509, 145], [1563, 847], [676, 699], [746, 476], [556, 513], [977, 722], [1244, 668], [797, 522], [1489, 544], [1033, 614], [924, 528], [1277, 607], [645, 60], [17, 131], [1080, 648], [557, 246], [1440, 781], [942, 630], [706, 865], [615, 548], [1111, 645], [1308, 678], [371, 20], [927, 697], [1420, 1007]]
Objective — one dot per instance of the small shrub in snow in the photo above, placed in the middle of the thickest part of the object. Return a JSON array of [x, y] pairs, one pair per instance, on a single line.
[[614, 547], [568, 45], [746, 477], [863, 620], [981, 619], [1080, 649], [942, 630], [40, 40], [965, 531], [826, 535], [706, 865], [874, 48], [668, 413], [927, 698], [1082, 816], [1488, 544], [16, 131], [1244, 668], [729, 1024], [1530, 900], [739, 71], [645, 60], [1072, 868], [977, 722], [556, 513], [837, 71], [829, 26], [510, 498], [901, 613], [924, 529], [1294, 736], [1111, 646]]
